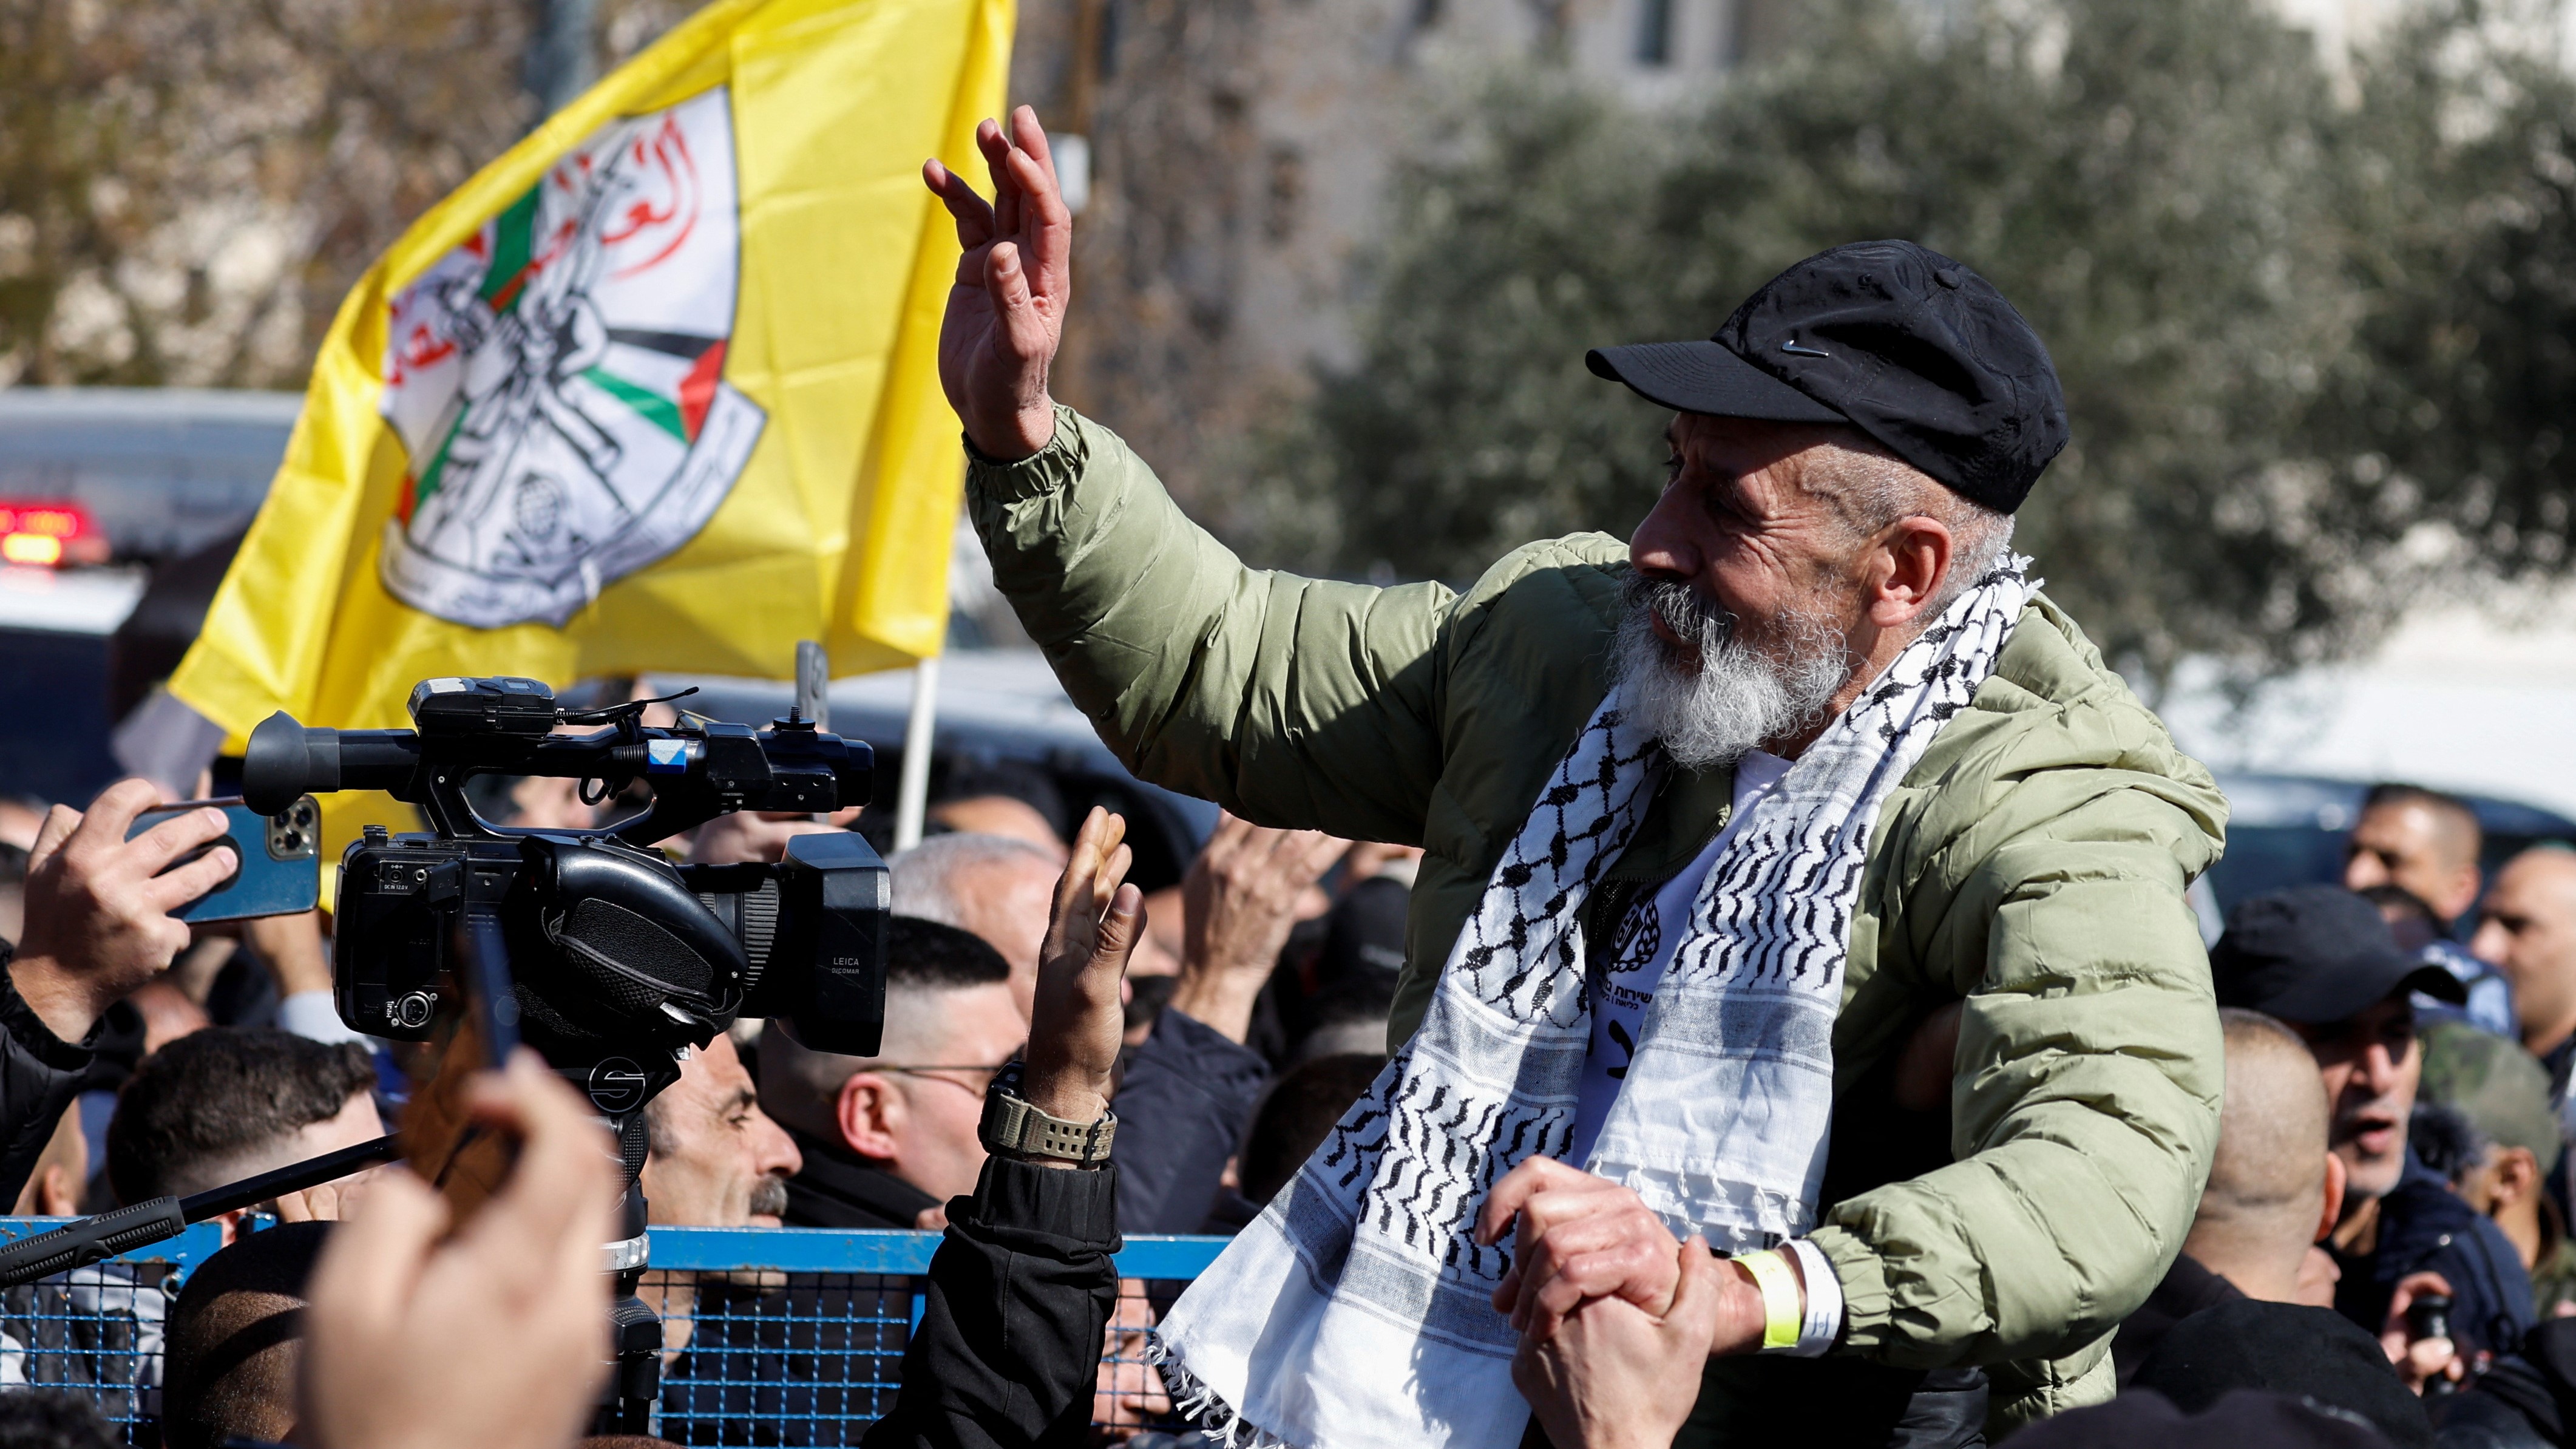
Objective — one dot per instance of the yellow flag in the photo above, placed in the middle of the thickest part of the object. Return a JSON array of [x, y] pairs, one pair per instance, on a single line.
[[654, 390]]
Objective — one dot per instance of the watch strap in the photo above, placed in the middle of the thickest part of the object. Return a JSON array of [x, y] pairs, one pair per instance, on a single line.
[[1014, 1126]]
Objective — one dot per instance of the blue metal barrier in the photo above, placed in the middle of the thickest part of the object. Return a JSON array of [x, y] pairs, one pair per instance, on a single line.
[[788, 1336]]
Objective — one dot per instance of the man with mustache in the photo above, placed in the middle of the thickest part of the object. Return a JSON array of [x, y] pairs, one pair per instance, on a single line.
[[2320, 958], [716, 1159], [1797, 881]]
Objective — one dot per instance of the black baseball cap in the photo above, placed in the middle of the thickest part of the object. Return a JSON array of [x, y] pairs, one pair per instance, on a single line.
[[1895, 339], [2317, 954]]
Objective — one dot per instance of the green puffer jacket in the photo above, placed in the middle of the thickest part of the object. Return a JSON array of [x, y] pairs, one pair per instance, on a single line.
[[2032, 866]]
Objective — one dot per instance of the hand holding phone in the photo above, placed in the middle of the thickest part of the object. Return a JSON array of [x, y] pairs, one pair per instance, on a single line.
[[277, 858], [100, 897]]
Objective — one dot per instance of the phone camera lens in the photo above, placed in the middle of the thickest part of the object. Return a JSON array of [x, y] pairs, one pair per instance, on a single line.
[[290, 840]]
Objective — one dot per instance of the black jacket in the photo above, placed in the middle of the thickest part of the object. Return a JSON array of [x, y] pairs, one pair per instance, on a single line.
[[2527, 1401], [2426, 1227], [839, 1189], [39, 1076], [1183, 1104], [1008, 1349], [2187, 1288]]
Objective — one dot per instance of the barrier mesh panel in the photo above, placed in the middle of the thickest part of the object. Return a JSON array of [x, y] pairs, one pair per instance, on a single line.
[[753, 1354]]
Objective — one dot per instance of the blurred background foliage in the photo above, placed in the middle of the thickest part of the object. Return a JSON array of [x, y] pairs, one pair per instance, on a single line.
[[2313, 318], [2315, 309]]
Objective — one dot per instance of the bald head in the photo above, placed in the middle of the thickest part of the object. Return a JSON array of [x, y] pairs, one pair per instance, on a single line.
[[2422, 842], [995, 886], [2527, 929], [2266, 1199], [235, 1338]]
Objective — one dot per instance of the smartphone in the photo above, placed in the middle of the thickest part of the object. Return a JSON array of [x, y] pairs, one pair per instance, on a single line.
[[473, 1028], [280, 859]]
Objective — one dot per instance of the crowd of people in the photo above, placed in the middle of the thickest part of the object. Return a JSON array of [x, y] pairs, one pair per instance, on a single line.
[[229, 1061], [1786, 1018], [2389, 1172]]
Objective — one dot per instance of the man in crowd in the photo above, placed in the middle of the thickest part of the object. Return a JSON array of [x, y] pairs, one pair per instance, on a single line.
[[1189, 1092], [2320, 958], [213, 1107], [1820, 630], [235, 1340], [2504, 1096], [227, 1103], [992, 885], [715, 1160], [1191, 1086], [887, 1140], [2527, 928], [2274, 1190], [2425, 843], [2419, 840]]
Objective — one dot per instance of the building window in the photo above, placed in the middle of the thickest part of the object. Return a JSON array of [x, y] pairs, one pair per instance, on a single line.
[[1654, 32]]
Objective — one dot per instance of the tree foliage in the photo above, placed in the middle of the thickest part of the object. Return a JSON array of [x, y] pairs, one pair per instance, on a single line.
[[2313, 327], [188, 187]]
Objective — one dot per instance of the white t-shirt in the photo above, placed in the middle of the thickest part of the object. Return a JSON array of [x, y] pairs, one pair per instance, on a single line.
[[1654, 926]]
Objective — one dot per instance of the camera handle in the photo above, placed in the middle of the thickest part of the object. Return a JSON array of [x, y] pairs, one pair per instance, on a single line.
[[84, 1241]]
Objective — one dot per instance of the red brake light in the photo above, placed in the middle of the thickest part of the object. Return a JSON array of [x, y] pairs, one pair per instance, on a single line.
[[49, 534]]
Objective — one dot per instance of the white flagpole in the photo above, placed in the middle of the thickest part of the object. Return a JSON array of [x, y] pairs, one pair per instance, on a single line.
[[913, 792]]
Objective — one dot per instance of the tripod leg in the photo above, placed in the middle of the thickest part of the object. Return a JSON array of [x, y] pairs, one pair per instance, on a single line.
[[635, 1330]]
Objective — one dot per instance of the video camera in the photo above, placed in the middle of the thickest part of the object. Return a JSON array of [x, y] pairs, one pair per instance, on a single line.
[[617, 957]]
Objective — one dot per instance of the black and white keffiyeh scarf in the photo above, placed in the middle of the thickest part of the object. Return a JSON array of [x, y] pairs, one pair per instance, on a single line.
[[1356, 1311]]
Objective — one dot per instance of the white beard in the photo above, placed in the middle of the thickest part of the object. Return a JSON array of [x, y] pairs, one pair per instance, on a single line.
[[1742, 692]]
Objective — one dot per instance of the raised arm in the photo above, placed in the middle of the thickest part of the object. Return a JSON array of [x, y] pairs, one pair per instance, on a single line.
[[1292, 701]]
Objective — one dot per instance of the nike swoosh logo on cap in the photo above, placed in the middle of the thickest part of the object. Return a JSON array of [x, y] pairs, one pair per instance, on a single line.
[[1792, 346]]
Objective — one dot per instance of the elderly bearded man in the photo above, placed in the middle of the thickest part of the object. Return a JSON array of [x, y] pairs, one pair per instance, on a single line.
[[1731, 830]]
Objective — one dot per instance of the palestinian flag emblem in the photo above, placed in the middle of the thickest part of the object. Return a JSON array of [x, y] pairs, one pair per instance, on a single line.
[[558, 380]]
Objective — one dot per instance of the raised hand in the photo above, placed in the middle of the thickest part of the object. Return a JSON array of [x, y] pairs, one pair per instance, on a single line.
[[1006, 311], [1076, 1022], [1241, 902]]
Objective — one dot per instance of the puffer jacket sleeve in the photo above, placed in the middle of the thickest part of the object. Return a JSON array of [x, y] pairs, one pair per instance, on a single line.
[[2085, 1106], [1291, 701]]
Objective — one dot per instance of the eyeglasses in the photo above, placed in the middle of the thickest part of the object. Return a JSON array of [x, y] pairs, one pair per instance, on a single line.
[[987, 1073]]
